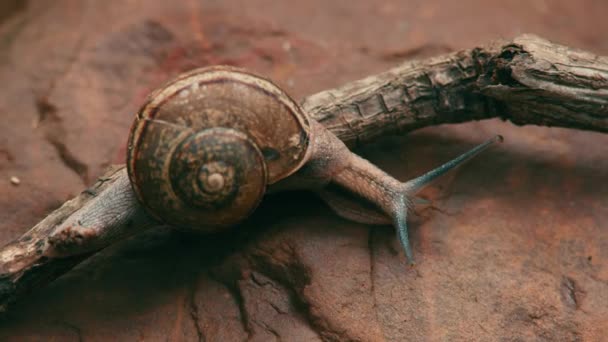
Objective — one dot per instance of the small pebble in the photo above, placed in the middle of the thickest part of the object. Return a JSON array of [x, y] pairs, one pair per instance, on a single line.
[[15, 180]]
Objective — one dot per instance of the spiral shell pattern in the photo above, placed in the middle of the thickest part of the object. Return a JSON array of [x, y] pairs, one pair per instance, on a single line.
[[204, 147]]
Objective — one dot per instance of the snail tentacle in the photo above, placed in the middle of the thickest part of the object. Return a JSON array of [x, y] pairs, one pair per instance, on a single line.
[[366, 182], [415, 185], [401, 209]]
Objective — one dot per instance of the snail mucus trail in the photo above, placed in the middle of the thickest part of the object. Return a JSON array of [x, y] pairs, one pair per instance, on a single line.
[[207, 146]]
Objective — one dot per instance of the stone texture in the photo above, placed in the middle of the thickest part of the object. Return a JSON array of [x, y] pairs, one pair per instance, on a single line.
[[514, 246]]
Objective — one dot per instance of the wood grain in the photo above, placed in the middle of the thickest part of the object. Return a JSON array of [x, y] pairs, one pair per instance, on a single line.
[[527, 80]]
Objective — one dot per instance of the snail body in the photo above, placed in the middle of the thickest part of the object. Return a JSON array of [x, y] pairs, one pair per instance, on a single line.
[[205, 148]]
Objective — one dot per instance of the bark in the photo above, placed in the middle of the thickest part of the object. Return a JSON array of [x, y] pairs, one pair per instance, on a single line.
[[527, 81], [100, 215]]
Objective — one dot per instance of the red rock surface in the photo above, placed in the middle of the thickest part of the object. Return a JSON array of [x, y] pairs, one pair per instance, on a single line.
[[515, 246]]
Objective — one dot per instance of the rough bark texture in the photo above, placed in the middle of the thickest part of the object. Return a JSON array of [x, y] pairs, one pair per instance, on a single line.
[[101, 215], [528, 81], [448, 89], [513, 248]]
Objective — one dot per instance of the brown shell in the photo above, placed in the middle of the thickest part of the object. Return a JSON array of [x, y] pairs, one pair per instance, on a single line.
[[248, 108]]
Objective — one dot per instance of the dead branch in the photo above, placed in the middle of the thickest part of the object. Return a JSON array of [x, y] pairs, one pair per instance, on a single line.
[[527, 81]]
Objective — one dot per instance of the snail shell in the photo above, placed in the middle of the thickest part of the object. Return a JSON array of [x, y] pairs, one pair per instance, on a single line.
[[204, 147]]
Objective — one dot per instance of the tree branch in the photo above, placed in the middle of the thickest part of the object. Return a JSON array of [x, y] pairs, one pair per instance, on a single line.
[[102, 214], [527, 81]]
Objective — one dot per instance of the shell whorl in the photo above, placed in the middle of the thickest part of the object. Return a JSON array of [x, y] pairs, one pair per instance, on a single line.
[[204, 147]]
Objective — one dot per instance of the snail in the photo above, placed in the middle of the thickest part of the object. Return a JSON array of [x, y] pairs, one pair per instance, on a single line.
[[206, 147]]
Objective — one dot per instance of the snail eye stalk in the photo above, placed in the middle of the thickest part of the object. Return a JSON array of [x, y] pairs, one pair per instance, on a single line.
[[413, 186]]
